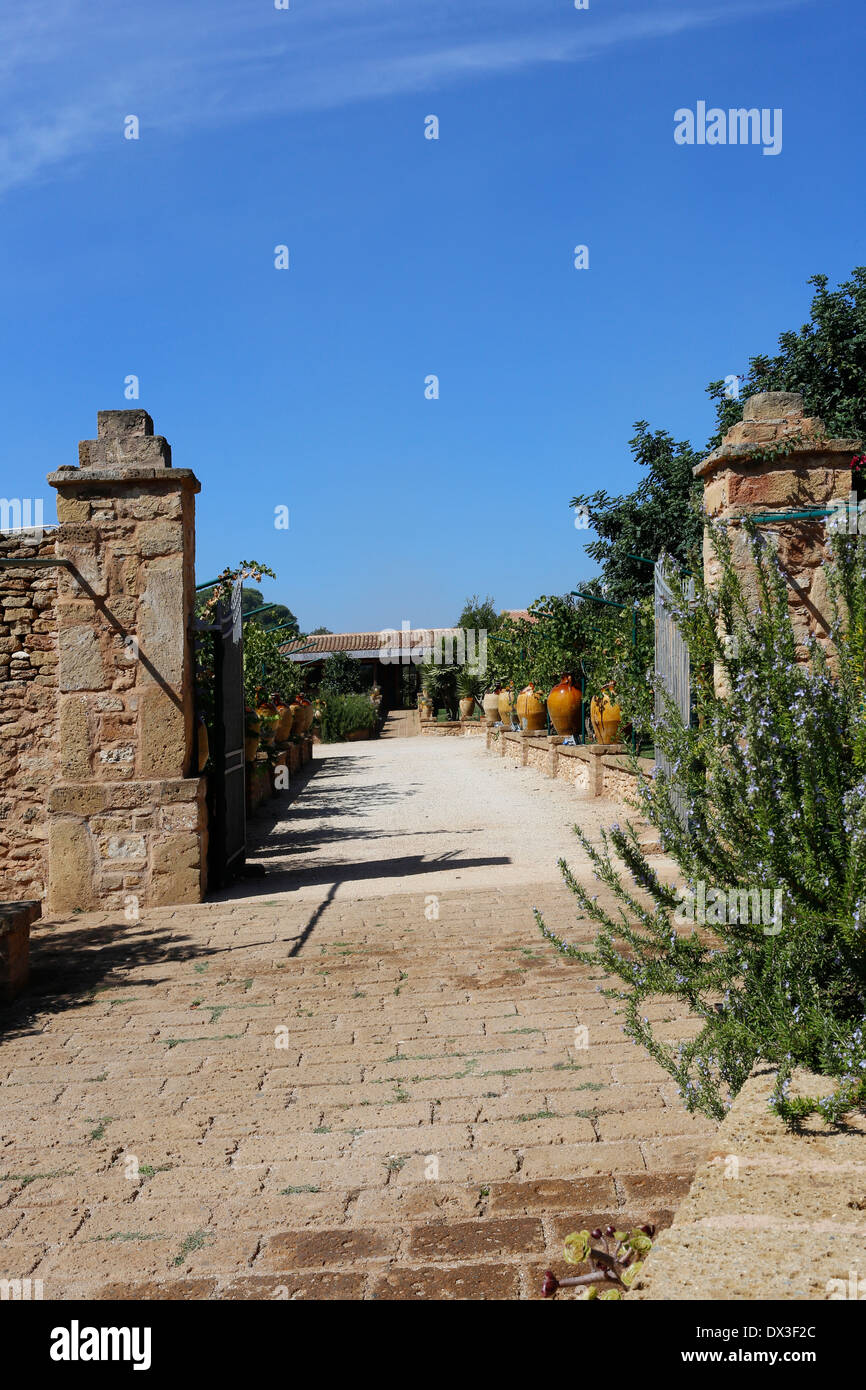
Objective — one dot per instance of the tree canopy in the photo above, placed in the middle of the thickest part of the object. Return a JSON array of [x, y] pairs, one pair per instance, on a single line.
[[274, 617]]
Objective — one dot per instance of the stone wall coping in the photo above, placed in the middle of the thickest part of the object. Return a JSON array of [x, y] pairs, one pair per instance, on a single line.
[[96, 479], [788, 447], [770, 1213]]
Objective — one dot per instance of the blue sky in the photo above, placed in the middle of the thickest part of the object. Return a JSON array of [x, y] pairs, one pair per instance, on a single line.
[[409, 257]]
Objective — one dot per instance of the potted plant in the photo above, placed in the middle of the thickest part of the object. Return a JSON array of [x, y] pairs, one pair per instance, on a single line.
[[467, 688]]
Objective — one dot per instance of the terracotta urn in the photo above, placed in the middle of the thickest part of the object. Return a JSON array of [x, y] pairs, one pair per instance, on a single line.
[[426, 707], [203, 742], [605, 715], [506, 707], [564, 702], [530, 710], [467, 706], [252, 730], [285, 719], [490, 705], [306, 717]]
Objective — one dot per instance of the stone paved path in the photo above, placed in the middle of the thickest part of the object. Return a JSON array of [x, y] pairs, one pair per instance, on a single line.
[[320, 1088]]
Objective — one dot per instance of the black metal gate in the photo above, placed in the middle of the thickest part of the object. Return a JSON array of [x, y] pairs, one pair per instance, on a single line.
[[228, 826]]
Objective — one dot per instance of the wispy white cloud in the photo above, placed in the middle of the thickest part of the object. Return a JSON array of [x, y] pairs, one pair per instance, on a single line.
[[70, 70]]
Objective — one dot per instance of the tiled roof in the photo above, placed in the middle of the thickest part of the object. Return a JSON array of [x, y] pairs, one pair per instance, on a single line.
[[517, 613], [325, 643]]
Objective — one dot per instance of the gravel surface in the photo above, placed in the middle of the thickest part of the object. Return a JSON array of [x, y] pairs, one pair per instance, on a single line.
[[422, 814]]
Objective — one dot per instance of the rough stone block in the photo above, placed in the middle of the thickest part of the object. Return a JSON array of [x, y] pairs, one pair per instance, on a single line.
[[71, 508], [77, 800], [123, 424], [178, 851], [70, 865], [81, 664], [163, 736], [75, 742], [162, 622], [161, 537], [773, 405], [178, 886]]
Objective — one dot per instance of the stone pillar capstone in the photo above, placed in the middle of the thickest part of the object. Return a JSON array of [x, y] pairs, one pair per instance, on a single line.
[[127, 820], [777, 460]]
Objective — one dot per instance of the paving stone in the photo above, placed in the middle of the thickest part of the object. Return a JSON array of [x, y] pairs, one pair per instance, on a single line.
[[428, 1130], [463, 1282]]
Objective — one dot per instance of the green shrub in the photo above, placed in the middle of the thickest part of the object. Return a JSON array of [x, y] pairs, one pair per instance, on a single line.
[[342, 676], [772, 775], [343, 714]]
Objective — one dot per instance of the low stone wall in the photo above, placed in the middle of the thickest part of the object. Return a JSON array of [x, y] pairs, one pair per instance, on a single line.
[[771, 1214], [597, 769], [271, 774], [15, 922], [444, 728], [29, 734]]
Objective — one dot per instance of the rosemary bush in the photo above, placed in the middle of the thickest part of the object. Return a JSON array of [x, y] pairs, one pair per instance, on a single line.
[[772, 773]]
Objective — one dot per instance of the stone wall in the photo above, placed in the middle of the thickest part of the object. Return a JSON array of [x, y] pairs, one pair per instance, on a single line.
[[778, 460], [453, 728], [593, 768], [29, 736]]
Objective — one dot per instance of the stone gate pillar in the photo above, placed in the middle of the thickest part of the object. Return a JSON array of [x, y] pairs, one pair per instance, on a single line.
[[127, 820], [777, 461]]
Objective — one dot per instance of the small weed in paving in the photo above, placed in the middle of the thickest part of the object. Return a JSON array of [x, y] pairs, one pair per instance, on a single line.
[[196, 1241], [176, 1042], [395, 1162], [148, 1170], [101, 1124], [296, 1191], [27, 1178], [131, 1235]]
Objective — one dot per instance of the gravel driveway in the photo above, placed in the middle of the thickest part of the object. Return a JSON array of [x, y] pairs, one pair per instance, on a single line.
[[431, 814]]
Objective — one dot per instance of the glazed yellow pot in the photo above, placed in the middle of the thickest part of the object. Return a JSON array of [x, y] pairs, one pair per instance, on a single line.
[[530, 710], [506, 707], [605, 716], [564, 702]]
